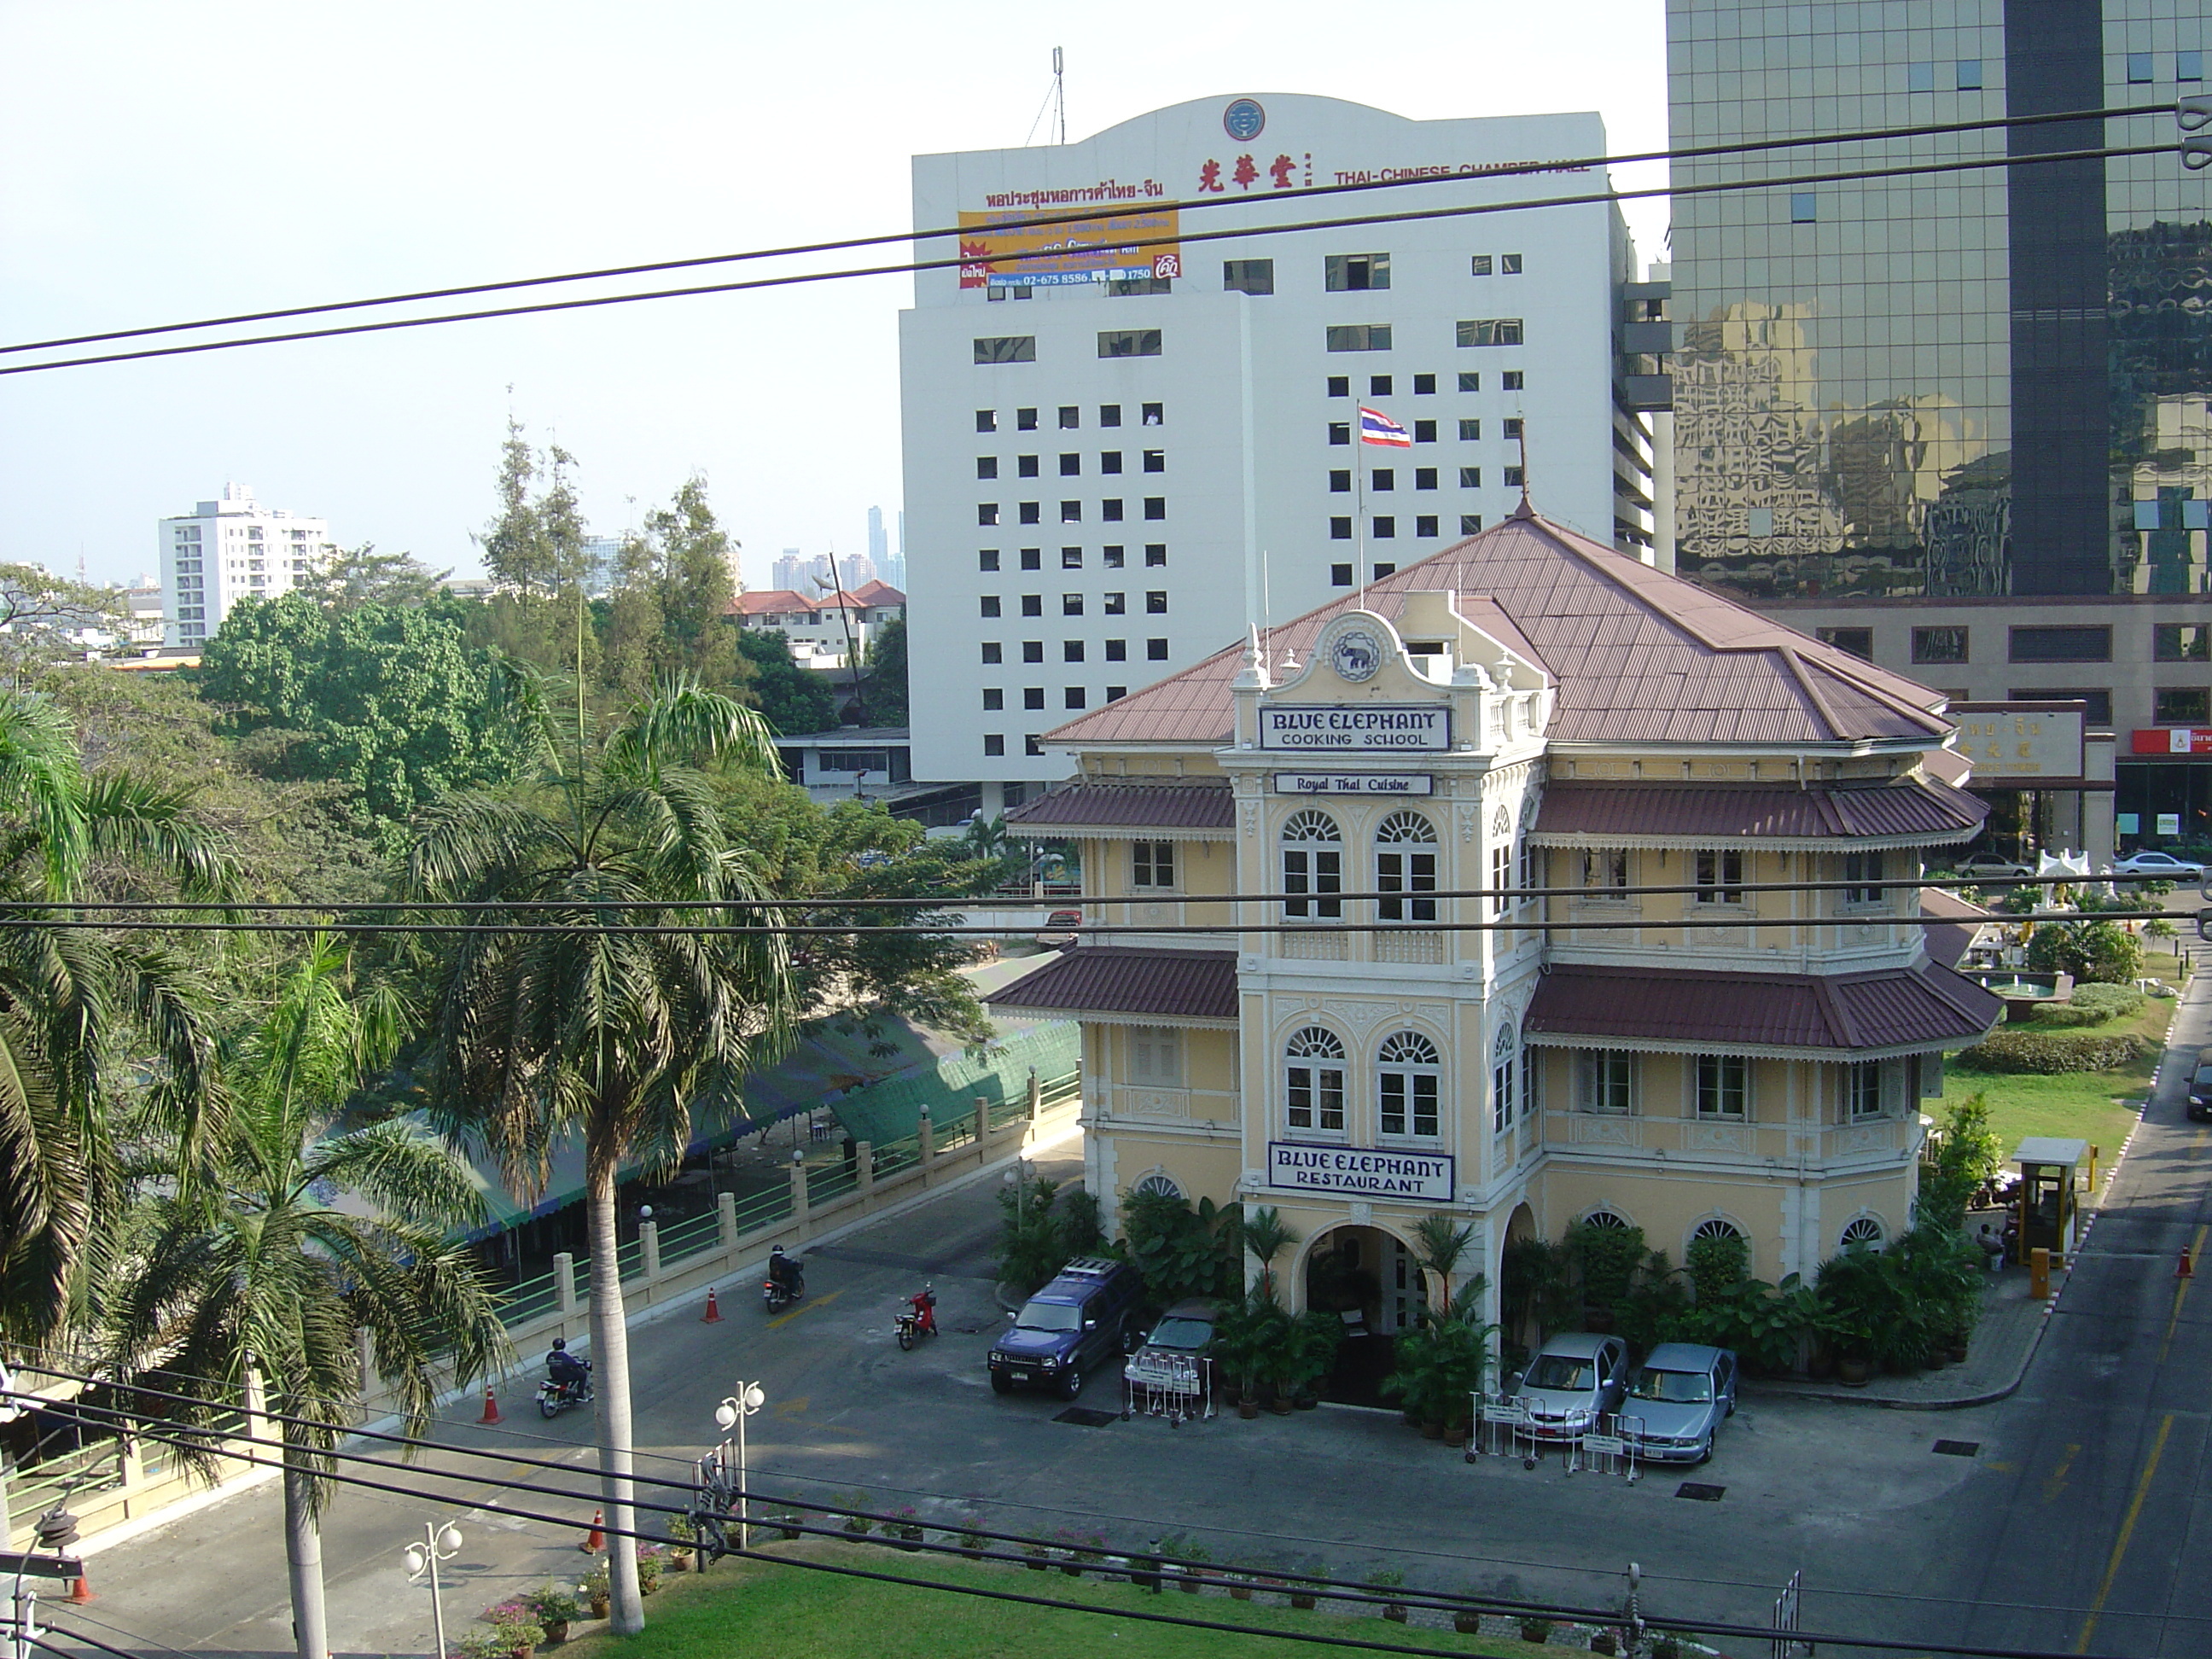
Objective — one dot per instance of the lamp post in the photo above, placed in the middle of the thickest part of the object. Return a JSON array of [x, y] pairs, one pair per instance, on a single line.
[[439, 1544], [732, 1414]]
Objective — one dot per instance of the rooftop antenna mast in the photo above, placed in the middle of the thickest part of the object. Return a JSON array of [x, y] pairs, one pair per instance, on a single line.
[[1059, 94]]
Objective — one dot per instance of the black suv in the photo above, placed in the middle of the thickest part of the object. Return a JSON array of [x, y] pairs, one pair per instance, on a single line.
[[1078, 1323]]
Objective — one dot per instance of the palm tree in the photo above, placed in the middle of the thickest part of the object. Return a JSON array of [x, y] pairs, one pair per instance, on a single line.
[[1439, 1247], [235, 1266], [77, 1005], [1266, 1236], [594, 1028]]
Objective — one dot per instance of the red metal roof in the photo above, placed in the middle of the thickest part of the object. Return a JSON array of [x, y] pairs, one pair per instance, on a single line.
[[1947, 944], [1639, 655], [1113, 980], [1900, 1008], [1672, 809], [1130, 806]]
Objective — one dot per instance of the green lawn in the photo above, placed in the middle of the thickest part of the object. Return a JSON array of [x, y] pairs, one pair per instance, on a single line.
[[2098, 1107], [764, 1612]]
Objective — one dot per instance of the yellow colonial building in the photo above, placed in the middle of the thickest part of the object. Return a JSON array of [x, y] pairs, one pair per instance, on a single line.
[[1389, 1023]]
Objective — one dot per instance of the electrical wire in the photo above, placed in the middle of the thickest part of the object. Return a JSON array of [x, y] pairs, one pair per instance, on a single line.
[[909, 267], [1699, 152]]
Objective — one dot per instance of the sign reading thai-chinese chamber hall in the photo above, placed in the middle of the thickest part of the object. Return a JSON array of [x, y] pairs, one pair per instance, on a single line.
[[1367, 729], [1370, 1174]]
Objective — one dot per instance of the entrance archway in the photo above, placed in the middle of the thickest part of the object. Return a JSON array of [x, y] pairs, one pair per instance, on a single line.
[[1366, 1276]]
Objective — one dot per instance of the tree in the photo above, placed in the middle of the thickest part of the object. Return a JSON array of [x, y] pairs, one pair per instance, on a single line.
[[670, 613], [2097, 952], [85, 1016], [40, 612], [887, 684], [534, 549], [358, 576], [389, 700], [239, 1266], [791, 699], [592, 1029]]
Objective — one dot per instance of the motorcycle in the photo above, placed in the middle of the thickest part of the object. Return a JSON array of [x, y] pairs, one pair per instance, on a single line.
[[554, 1398], [779, 1293], [919, 1320]]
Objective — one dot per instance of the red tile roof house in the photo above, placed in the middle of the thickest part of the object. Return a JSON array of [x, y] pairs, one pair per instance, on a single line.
[[1335, 993]]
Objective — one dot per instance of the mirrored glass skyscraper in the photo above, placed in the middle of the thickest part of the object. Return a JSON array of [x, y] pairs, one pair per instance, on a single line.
[[1962, 384]]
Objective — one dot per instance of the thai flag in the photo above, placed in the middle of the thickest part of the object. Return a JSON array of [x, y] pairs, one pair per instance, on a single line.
[[1377, 428]]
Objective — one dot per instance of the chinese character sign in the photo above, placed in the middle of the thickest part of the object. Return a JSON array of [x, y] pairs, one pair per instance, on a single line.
[[1007, 250]]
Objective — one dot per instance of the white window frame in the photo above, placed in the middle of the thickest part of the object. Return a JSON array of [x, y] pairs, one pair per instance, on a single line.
[[1314, 1070], [1860, 1091], [1722, 1088], [1406, 861], [1146, 860], [1409, 1070], [1604, 1076], [1312, 864], [1605, 875], [1505, 1060], [1857, 868], [1719, 874], [1156, 1056]]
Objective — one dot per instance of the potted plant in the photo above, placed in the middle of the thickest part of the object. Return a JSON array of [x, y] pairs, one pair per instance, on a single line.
[[597, 1589], [1605, 1642], [1040, 1558], [1195, 1554], [1389, 1579], [1535, 1631], [514, 1632], [1666, 1647], [973, 1543], [556, 1608], [858, 1525], [907, 1525], [684, 1533], [649, 1562], [1301, 1597], [788, 1523], [1466, 1621]]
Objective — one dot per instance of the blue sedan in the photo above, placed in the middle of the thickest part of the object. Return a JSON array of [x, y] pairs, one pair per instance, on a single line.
[[1683, 1395]]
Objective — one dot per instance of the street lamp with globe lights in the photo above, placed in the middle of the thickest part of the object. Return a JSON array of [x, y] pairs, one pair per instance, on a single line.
[[732, 1414], [439, 1544]]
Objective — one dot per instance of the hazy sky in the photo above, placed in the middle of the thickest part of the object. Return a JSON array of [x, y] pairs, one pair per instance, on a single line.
[[163, 162]]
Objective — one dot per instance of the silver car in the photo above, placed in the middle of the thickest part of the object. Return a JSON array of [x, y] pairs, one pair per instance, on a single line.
[[1573, 1381], [1683, 1395]]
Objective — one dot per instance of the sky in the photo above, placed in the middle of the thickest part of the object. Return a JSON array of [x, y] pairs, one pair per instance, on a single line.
[[164, 162]]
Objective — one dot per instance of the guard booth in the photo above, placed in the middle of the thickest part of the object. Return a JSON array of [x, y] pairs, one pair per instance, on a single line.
[[2047, 1214]]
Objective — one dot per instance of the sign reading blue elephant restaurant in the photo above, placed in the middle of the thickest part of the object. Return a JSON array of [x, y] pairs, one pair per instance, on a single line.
[[1426, 1176]]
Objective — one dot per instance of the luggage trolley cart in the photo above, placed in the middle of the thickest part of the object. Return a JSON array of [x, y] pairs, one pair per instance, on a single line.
[[1498, 1417], [1614, 1450], [1175, 1386]]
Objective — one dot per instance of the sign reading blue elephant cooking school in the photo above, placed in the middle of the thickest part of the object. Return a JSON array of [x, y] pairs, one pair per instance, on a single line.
[[1360, 1170], [1360, 728]]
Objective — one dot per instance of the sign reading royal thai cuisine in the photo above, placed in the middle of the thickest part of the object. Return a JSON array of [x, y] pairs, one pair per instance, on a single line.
[[1354, 783], [1360, 1170], [1360, 728]]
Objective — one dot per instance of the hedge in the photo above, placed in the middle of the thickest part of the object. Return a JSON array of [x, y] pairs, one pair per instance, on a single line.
[[2049, 1054]]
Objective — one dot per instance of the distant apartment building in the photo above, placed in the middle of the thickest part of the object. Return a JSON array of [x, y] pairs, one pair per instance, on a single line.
[[1112, 453], [229, 549]]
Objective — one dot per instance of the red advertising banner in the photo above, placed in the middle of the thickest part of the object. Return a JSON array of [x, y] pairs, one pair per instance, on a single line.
[[2175, 740]]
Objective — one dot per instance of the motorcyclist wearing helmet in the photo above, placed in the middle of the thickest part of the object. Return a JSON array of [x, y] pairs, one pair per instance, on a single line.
[[782, 1271], [565, 1369]]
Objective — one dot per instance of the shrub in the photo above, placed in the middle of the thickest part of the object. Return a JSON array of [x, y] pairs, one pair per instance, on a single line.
[[2044, 1054], [2095, 951], [1717, 1264], [1969, 1155], [1607, 1258], [2093, 1005], [1182, 1252]]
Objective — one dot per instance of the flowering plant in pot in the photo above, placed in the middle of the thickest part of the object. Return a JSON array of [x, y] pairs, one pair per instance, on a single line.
[[907, 1525], [554, 1607], [1389, 1579], [858, 1525], [597, 1590], [1535, 1631], [1193, 1552], [684, 1535], [650, 1561]]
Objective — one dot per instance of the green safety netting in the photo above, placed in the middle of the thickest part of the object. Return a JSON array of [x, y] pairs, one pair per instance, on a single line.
[[882, 1112]]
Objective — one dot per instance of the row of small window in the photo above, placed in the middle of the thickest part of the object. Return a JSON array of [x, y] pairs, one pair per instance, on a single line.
[[1112, 510], [1070, 463], [1350, 273], [1426, 524], [1071, 558], [995, 744], [1072, 696], [1719, 875], [1425, 432], [1070, 417], [1071, 650], [1377, 336], [1342, 575], [1408, 1084], [1071, 605], [1112, 343], [1425, 385], [1609, 1081], [1405, 863], [2070, 642], [1384, 479]]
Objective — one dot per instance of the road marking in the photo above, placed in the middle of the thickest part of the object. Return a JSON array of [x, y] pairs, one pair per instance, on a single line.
[[2057, 1483], [2127, 1531], [2180, 1290], [782, 1319], [2197, 1142]]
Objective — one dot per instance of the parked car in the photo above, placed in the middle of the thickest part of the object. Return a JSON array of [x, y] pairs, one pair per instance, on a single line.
[[1989, 864], [1078, 1322], [2152, 862], [1054, 932], [1183, 1332], [1680, 1397], [2200, 1089], [1575, 1379]]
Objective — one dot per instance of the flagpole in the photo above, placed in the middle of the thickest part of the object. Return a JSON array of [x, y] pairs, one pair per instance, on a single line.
[[1359, 512]]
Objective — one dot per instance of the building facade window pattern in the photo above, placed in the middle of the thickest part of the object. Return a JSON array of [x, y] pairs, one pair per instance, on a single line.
[[1313, 1080]]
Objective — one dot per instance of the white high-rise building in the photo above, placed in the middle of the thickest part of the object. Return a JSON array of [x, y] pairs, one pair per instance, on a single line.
[[1119, 455], [212, 558]]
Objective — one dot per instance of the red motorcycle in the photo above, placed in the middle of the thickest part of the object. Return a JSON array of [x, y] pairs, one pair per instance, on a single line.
[[919, 1320]]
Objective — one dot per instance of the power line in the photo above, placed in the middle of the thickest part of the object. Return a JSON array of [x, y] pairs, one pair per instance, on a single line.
[[910, 267], [1699, 152]]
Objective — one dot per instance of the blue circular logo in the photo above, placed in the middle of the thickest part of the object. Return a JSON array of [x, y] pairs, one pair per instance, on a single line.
[[1244, 120]]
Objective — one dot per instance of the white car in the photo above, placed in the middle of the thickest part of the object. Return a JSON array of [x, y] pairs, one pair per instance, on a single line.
[[2151, 862]]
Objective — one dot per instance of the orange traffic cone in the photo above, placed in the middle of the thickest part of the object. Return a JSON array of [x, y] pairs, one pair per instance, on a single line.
[[491, 1408], [596, 1540], [2186, 1269], [79, 1590], [713, 1315]]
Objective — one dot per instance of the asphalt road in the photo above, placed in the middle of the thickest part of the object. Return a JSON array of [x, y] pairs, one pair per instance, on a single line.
[[2071, 1524]]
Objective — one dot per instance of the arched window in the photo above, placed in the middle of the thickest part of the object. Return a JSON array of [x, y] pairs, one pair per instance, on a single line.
[[1716, 1227], [1160, 1185], [1504, 1071], [1313, 1080], [1313, 864], [1863, 1233], [1409, 1077], [1406, 862], [1606, 1219]]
